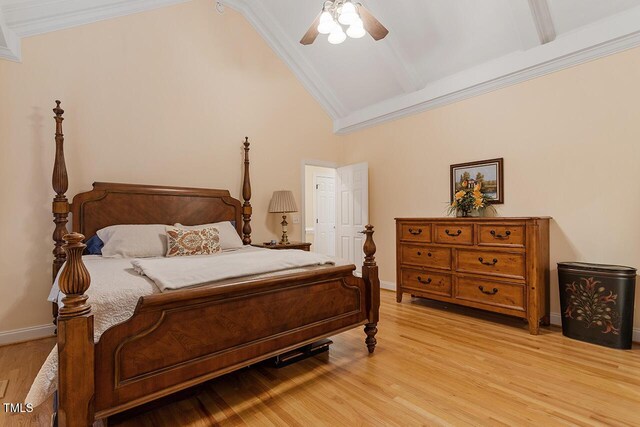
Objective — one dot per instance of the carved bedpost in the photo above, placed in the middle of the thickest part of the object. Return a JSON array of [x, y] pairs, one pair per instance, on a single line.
[[246, 195], [60, 182], [370, 276], [75, 340], [60, 206]]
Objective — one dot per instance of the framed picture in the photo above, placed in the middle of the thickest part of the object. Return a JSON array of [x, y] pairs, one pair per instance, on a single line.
[[487, 172]]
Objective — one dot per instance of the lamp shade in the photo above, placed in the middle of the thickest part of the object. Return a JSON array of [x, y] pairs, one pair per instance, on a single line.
[[282, 201]]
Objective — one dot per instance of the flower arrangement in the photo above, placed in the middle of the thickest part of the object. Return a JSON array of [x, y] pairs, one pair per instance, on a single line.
[[469, 198]]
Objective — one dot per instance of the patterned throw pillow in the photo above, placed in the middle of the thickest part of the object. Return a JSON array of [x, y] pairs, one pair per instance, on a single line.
[[183, 242]]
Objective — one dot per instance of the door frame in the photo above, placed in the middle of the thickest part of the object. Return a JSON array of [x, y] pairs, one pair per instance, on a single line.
[[303, 164]]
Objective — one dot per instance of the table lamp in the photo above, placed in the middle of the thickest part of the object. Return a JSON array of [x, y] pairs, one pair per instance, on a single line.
[[283, 202]]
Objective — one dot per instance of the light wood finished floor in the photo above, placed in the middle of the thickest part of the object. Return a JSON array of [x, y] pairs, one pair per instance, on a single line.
[[434, 365]]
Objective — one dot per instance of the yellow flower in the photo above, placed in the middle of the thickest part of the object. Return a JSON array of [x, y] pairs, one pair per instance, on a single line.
[[454, 204], [459, 194], [478, 203], [477, 187], [477, 194]]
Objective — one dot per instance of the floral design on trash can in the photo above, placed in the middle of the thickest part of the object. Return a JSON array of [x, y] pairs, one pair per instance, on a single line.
[[592, 305]]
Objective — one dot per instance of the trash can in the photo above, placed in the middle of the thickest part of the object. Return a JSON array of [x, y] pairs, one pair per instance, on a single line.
[[597, 303]]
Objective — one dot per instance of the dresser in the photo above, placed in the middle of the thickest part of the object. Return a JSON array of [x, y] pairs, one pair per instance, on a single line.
[[494, 264]]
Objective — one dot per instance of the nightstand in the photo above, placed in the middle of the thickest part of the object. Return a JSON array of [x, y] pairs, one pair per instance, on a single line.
[[293, 245]]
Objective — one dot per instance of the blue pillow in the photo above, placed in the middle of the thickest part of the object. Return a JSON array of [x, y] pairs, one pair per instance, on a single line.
[[94, 246]]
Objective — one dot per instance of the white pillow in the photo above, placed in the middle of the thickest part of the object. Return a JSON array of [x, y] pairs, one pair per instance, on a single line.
[[133, 241], [229, 238]]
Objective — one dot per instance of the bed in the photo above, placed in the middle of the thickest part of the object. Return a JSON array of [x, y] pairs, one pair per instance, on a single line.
[[220, 328]]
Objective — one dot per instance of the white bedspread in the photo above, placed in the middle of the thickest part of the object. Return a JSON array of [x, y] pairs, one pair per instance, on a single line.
[[116, 287], [181, 272]]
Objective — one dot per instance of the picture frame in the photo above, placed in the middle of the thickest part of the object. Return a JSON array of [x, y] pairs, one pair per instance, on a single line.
[[490, 172]]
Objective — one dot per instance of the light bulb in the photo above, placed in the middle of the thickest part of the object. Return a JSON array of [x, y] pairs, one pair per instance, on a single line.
[[326, 23], [337, 35], [348, 14], [356, 31]]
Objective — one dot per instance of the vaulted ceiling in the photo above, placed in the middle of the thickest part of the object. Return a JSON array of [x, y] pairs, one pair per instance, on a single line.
[[437, 52]]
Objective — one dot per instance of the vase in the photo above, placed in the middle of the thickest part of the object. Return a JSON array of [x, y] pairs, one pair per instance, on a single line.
[[462, 213]]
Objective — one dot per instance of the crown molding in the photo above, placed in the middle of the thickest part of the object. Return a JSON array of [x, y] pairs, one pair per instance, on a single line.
[[266, 25], [32, 17], [615, 34], [23, 18], [9, 42]]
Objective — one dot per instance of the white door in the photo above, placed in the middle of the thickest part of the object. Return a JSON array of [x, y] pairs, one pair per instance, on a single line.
[[325, 221], [352, 213]]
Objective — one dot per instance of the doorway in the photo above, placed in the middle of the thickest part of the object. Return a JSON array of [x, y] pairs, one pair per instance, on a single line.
[[320, 209], [336, 209]]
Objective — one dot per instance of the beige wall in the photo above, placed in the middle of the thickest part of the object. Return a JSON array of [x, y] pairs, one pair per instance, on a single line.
[[571, 146], [166, 96], [163, 97]]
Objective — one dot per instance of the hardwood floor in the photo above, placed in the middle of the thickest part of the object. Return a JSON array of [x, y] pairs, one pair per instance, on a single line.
[[434, 365]]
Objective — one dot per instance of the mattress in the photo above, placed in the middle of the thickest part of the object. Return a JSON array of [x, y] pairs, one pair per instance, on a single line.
[[113, 295]]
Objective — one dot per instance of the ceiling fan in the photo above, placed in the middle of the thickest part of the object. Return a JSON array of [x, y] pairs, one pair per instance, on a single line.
[[335, 14]]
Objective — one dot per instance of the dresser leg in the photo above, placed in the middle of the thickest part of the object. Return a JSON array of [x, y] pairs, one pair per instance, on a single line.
[[398, 296], [534, 326], [371, 329]]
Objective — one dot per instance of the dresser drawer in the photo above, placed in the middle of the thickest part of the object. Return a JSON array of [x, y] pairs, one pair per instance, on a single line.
[[457, 234], [416, 232], [492, 262], [426, 256], [506, 295], [501, 235], [426, 281]]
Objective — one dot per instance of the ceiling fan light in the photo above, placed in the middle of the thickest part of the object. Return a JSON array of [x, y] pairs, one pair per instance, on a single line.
[[348, 14], [356, 31], [348, 18], [326, 23], [337, 36]]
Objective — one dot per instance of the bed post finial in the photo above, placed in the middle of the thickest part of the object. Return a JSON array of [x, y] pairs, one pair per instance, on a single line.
[[246, 195], [60, 183], [370, 275]]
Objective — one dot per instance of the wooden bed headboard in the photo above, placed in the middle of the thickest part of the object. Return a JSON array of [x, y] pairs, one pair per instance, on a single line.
[[111, 204]]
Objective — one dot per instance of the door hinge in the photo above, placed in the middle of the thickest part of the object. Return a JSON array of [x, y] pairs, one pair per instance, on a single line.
[[316, 220], [317, 186]]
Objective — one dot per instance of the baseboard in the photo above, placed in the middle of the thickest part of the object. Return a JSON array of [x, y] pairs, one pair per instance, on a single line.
[[555, 318], [390, 286], [26, 334]]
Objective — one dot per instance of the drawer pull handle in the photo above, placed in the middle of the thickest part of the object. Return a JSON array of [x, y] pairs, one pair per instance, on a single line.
[[482, 261], [491, 292], [424, 282], [415, 232], [420, 253], [501, 236], [456, 234]]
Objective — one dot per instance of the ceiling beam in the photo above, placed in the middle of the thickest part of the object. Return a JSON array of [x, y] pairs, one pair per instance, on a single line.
[[605, 37], [392, 54], [542, 18]]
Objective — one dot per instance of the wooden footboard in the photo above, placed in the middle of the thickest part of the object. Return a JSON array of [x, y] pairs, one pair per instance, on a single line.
[[175, 340]]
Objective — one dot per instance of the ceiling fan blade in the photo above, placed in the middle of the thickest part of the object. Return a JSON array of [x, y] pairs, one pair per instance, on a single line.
[[312, 33], [371, 24]]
